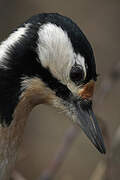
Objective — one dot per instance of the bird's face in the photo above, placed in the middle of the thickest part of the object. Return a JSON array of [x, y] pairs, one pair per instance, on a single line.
[[75, 75]]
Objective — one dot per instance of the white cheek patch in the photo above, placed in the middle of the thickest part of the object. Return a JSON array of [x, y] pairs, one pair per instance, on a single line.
[[9, 42], [55, 51]]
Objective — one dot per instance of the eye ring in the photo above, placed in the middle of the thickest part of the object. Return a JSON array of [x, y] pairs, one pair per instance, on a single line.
[[77, 74]]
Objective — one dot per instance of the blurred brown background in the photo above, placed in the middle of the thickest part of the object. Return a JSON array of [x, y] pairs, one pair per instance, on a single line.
[[99, 20]]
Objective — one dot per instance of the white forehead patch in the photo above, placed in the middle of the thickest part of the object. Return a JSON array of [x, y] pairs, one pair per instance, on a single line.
[[10, 41], [55, 51]]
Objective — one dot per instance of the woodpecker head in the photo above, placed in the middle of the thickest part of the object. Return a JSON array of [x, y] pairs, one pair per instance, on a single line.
[[50, 58]]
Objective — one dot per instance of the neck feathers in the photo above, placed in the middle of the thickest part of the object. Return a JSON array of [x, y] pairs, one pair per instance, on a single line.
[[11, 137], [17, 59]]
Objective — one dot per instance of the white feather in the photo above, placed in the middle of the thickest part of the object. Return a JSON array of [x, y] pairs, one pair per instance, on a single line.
[[56, 52], [10, 41]]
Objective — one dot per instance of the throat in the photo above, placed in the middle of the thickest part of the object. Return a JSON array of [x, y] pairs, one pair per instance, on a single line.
[[11, 137], [8, 151], [10, 140]]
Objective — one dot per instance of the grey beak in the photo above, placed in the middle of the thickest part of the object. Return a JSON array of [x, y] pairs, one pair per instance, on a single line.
[[88, 123]]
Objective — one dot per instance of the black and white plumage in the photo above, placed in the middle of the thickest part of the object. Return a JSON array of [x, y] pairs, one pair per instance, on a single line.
[[50, 56]]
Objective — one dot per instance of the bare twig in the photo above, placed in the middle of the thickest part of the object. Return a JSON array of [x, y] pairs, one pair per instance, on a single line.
[[113, 165], [63, 150], [17, 176], [108, 84], [99, 172], [109, 169]]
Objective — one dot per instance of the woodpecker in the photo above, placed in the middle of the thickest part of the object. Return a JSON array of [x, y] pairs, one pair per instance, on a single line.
[[47, 60]]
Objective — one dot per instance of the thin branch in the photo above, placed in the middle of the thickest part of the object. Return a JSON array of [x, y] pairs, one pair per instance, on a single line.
[[99, 171], [17, 176], [109, 169], [63, 150], [107, 84]]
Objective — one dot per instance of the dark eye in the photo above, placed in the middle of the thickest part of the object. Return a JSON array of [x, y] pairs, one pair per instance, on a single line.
[[77, 74]]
